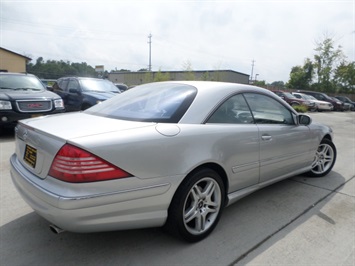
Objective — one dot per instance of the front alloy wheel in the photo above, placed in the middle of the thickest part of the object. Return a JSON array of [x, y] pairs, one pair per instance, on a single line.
[[324, 159], [197, 206]]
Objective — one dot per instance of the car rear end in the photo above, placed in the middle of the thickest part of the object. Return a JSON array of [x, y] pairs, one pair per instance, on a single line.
[[78, 190]]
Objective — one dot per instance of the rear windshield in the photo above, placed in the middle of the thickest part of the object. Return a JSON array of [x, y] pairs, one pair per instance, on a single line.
[[153, 102]]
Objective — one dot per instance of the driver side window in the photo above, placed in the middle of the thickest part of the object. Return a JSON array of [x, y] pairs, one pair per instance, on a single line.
[[267, 110], [73, 84]]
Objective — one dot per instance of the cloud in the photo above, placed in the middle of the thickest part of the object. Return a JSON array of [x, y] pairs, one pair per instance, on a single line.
[[209, 34]]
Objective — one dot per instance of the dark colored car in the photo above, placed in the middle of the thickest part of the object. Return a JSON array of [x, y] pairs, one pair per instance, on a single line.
[[293, 100], [24, 96], [79, 93], [347, 100], [338, 105], [121, 86]]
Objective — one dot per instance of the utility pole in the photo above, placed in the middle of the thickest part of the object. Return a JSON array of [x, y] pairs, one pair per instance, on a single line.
[[150, 52], [252, 70]]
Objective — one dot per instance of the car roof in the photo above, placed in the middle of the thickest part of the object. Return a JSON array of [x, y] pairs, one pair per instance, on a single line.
[[218, 91]]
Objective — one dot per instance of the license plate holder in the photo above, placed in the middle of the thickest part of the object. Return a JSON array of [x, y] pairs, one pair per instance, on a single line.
[[30, 156]]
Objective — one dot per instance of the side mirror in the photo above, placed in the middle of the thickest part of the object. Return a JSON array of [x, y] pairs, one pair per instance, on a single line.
[[304, 120]]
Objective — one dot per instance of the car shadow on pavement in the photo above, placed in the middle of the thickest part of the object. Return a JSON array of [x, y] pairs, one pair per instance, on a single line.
[[7, 134], [246, 228]]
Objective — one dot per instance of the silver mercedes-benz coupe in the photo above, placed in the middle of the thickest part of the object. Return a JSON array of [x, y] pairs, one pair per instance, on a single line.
[[170, 154]]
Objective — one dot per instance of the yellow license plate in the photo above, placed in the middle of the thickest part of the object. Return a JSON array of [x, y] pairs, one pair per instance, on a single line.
[[30, 156]]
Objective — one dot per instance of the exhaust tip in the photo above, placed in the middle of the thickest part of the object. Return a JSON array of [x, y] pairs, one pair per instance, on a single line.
[[56, 229]]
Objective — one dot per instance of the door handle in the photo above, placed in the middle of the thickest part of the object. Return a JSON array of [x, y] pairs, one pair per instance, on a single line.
[[266, 137]]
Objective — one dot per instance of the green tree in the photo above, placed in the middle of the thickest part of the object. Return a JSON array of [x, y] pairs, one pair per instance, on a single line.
[[261, 83], [278, 84], [148, 77], [326, 59], [206, 76], [344, 77], [301, 76], [188, 71], [52, 69], [159, 76]]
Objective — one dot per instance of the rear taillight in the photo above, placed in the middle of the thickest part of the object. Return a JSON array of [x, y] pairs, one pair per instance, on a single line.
[[72, 164]]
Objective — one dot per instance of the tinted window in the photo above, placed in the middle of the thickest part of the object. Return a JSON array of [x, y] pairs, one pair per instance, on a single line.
[[233, 111], [289, 95], [156, 102], [63, 84], [73, 84], [267, 110]]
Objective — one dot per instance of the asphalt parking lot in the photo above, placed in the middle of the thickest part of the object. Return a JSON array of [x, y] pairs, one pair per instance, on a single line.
[[299, 221]]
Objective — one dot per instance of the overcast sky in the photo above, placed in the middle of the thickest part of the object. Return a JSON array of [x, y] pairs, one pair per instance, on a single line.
[[208, 35]]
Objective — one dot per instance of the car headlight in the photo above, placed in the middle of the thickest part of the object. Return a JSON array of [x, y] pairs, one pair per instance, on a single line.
[[98, 101], [58, 103], [5, 105]]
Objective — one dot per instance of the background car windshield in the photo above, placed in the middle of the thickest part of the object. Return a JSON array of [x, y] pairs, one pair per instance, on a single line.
[[155, 102], [99, 85], [289, 95], [309, 97], [20, 83]]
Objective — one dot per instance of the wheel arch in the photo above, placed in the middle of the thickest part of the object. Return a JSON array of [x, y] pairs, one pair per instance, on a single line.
[[219, 170], [328, 137]]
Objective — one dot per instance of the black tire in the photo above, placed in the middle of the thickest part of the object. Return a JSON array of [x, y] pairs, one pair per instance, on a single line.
[[196, 206], [324, 159]]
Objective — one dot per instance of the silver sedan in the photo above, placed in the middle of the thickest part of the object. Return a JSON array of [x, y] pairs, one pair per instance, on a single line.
[[170, 154]]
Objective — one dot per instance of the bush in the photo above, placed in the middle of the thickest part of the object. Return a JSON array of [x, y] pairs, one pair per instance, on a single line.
[[300, 108]]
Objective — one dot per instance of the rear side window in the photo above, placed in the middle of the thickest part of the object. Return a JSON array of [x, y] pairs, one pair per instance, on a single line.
[[235, 110], [155, 102]]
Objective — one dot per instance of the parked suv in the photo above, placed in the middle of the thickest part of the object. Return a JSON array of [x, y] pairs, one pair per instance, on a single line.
[[80, 93], [347, 100], [338, 105], [293, 100], [24, 96]]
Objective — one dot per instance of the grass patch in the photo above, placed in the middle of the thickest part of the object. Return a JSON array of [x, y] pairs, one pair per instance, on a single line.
[[300, 108]]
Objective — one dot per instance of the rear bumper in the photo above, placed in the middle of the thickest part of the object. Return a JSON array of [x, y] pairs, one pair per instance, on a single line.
[[128, 209]]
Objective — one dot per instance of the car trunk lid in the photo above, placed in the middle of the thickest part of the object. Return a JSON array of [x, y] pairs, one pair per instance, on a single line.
[[39, 139]]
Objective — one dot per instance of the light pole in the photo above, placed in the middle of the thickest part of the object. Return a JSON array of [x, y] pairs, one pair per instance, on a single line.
[[150, 52]]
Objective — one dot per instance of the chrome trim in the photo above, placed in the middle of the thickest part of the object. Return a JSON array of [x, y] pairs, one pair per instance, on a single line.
[[35, 111]]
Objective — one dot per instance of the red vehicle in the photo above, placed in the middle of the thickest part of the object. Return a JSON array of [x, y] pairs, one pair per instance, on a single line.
[[293, 100]]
